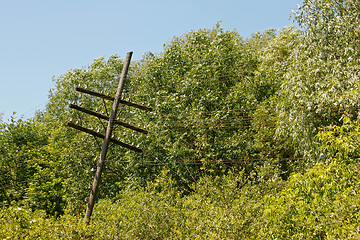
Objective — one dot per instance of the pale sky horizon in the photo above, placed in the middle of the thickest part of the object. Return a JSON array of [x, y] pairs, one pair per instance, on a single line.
[[45, 38]]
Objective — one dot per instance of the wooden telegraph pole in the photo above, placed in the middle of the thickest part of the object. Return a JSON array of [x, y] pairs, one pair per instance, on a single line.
[[100, 166], [107, 137]]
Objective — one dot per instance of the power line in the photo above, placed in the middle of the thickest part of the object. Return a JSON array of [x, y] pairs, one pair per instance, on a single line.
[[246, 161], [25, 114], [196, 63]]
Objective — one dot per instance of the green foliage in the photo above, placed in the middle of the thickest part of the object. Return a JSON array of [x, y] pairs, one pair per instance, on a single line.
[[322, 82], [18, 140], [273, 52], [222, 207], [29, 174], [22, 223], [191, 86], [219, 207], [341, 142], [204, 89], [321, 204]]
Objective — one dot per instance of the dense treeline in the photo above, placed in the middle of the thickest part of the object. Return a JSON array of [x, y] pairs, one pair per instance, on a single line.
[[247, 138]]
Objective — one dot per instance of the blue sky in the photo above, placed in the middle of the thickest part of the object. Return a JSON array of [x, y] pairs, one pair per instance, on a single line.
[[40, 39]]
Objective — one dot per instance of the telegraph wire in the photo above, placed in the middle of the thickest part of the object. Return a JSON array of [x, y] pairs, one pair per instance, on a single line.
[[239, 122], [246, 161], [25, 113]]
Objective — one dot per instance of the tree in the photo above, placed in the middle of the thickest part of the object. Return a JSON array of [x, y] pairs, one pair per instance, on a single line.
[[273, 52], [198, 89], [321, 84], [322, 202]]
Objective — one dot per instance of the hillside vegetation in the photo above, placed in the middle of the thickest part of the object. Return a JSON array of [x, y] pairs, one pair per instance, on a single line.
[[248, 139]]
